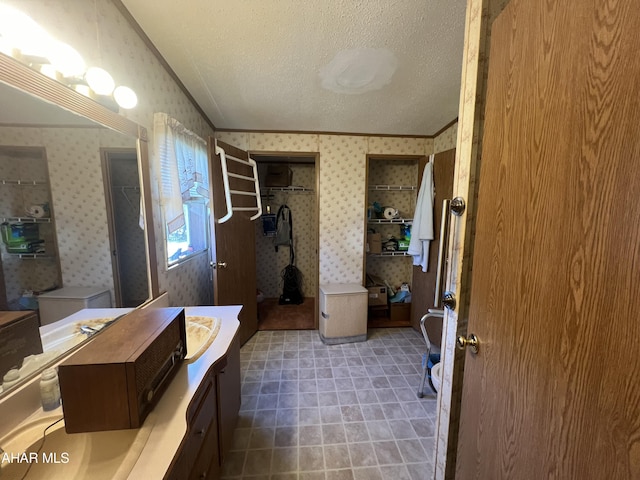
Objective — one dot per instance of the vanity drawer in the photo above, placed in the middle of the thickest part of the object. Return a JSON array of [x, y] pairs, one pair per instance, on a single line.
[[207, 461], [199, 427]]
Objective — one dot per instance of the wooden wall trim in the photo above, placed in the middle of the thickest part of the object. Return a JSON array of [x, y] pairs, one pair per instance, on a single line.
[[446, 127], [307, 132], [18, 75]]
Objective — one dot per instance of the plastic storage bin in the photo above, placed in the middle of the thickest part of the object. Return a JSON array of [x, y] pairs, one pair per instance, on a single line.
[[61, 303], [343, 313]]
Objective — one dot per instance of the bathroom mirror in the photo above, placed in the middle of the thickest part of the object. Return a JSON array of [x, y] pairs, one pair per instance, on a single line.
[[80, 143]]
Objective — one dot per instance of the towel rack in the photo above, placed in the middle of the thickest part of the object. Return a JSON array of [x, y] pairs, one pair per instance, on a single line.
[[228, 192]]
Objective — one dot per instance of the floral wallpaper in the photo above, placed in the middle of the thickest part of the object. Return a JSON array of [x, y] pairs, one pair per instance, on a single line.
[[37, 274], [77, 198], [342, 196], [105, 38], [446, 140], [342, 208]]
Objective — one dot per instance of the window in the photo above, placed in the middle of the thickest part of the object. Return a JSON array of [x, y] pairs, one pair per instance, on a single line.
[[193, 236], [184, 188]]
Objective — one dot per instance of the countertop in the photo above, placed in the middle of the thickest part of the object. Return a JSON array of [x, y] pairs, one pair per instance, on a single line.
[[170, 414], [166, 425]]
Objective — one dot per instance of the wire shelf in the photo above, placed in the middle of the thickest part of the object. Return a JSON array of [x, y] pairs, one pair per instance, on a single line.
[[391, 221], [397, 188]]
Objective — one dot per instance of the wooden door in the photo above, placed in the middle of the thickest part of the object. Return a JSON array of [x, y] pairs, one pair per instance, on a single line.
[[424, 283], [553, 392], [233, 244]]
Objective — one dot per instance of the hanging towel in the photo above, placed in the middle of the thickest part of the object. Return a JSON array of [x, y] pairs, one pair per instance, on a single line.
[[422, 229]]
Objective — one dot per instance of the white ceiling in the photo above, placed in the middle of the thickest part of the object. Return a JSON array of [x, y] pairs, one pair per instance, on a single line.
[[256, 64]]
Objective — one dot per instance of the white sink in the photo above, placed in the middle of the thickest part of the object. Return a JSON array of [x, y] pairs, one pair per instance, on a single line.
[[97, 455], [201, 332]]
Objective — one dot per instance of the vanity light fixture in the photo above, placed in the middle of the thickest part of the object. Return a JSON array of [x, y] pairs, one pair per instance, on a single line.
[[23, 33], [50, 71], [125, 97], [66, 60], [7, 47], [100, 81], [82, 89], [26, 41]]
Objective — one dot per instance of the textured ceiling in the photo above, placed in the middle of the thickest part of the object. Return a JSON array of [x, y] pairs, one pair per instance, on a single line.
[[256, 64]]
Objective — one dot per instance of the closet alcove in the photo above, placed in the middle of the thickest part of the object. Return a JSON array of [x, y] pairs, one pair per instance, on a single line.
[[287, 179]]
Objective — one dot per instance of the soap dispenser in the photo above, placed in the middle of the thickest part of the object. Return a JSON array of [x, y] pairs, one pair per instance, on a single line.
[[50, 389]]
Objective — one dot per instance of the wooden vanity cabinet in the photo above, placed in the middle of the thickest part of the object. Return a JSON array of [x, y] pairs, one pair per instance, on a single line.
[[198, 456], [211, 419], [20, 338], [229, 398]]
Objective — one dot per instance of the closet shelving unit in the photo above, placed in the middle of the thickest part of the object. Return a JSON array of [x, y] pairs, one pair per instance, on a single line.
[[391, 183], [391, 221], [18, 219], [24, 181]]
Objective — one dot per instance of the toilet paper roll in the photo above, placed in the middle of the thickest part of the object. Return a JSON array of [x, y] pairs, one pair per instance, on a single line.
[[36, 211], [390, 212]]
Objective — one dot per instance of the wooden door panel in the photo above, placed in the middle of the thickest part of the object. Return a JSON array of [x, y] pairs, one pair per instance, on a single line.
[[553, 391], [233, 244], [424, 283]]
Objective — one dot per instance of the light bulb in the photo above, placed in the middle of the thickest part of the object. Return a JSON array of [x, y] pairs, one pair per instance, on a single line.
[[7, 47], [23, 33], [49, 70], [83, 90], [100, 81], [66, 60], [125, 97]]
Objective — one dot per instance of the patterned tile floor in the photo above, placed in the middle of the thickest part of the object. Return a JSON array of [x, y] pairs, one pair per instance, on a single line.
[[342, 412]]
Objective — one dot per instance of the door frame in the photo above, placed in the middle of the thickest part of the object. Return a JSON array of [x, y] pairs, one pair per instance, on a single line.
[[316, 220], [106, 155], [475, 65]]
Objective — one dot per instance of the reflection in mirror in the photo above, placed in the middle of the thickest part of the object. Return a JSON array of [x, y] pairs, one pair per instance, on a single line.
[[71, 212], [126, 228]]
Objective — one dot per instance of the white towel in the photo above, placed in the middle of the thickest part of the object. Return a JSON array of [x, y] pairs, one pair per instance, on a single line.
[[422, 229]]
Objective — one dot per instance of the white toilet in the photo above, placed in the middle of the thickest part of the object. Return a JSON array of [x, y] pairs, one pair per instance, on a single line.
[[436, 376]]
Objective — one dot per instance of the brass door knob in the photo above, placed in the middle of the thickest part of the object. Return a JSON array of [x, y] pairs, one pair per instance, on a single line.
[[219, 265], [471, 341]]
